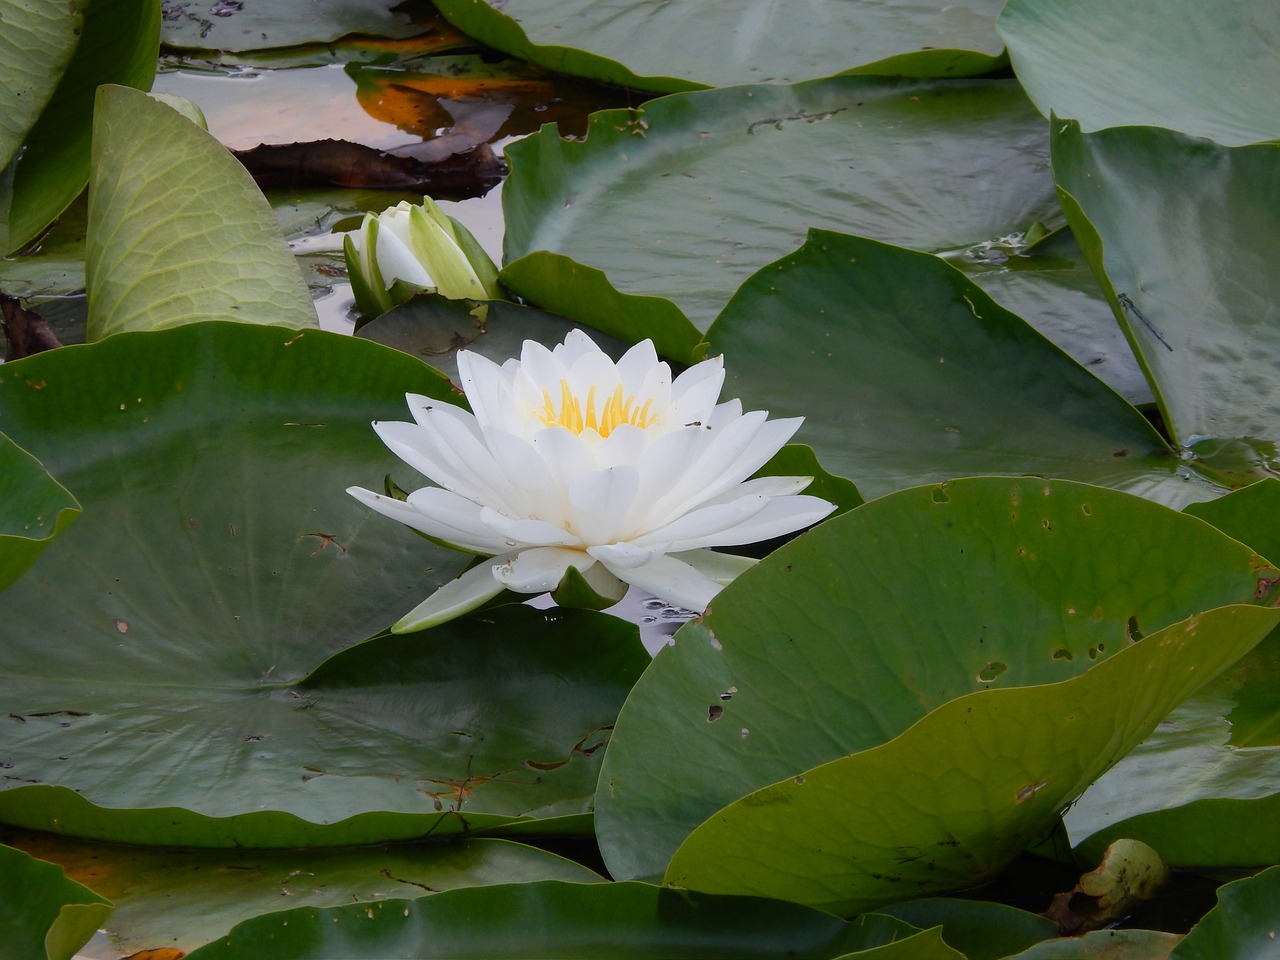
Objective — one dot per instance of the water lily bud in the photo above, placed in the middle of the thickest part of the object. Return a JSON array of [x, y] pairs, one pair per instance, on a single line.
[[579, 476], [407, 250]]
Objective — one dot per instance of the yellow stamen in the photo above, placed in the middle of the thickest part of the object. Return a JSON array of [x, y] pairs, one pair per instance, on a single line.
[[576, 416]]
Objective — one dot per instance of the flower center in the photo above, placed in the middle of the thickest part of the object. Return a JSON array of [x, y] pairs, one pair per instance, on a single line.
[[576, 415]]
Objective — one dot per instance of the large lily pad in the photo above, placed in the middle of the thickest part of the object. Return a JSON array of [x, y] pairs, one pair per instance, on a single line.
[[1180, 233], [44, 915], [118, 44], [218, 562], [265, 24], [34, 508], [683, 201], [1241, 926], [35, 48], [950, 802], [181, 899], [178, 231], [570, 921], [906, 372], [844, 638], [1207, 69], [683, 45]]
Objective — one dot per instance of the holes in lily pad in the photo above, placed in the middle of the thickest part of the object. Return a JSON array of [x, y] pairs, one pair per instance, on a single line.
[[940, 495], [714, 712], [1086, 510], [992, 670], [1062, 653], [728, 694], [1094, 651], [1132, 631]]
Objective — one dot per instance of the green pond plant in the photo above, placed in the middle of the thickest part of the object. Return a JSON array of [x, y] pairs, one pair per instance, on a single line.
[[992, 285]]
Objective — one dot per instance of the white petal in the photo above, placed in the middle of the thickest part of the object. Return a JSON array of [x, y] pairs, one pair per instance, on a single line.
[[695, 392], [439, 514], [522, 466], [576, 344], [540, 569], [734, 453], [672, 580], [765, 487], [543, 367], [473, 589], [522, 532], [704, 526], [487, 388], [566, 454], [396, 261], [599, 501], [723, 568], [626, 555], [636, 363], [781, 515], [449, 454], [623, 447]]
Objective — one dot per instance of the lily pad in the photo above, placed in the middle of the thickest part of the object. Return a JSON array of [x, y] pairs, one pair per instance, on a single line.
[[683, 45], [1194, 821], [979, 929], [181, 899], [1209, 70], [118, 44], [262, 24], [906, 372], [218, 562], [844, 638], [1105, 945], [953, 799], [44, 915], [34, 508], [1242, 926], [682, 200], [569, 921], [178, 232], [35, 48], [1179, 232]]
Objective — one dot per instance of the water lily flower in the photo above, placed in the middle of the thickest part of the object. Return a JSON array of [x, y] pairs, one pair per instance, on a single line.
[[577, 474], [408, 249]]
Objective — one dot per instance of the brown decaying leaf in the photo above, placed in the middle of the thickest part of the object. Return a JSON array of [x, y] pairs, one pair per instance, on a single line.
[[345, 164], [25, 330]]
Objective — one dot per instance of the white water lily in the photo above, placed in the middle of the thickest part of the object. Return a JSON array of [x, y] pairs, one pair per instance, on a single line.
[[409, 249], [573, 462]]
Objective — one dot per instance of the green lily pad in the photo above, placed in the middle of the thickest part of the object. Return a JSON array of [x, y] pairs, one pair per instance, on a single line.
[[35, 48], [953, 799], [682, 201], [1208, 70], [979, 929], [1242, 926], [1105, 945], [218, 562], [1179, 232], [263, 24], [1195, 820], [34, 508], [684, 45], [182, 899], [178, 232], [43, 915], [1251, 515], [906, 372], [118, 44], [569, 921], [1051, 286], [844, 638]]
